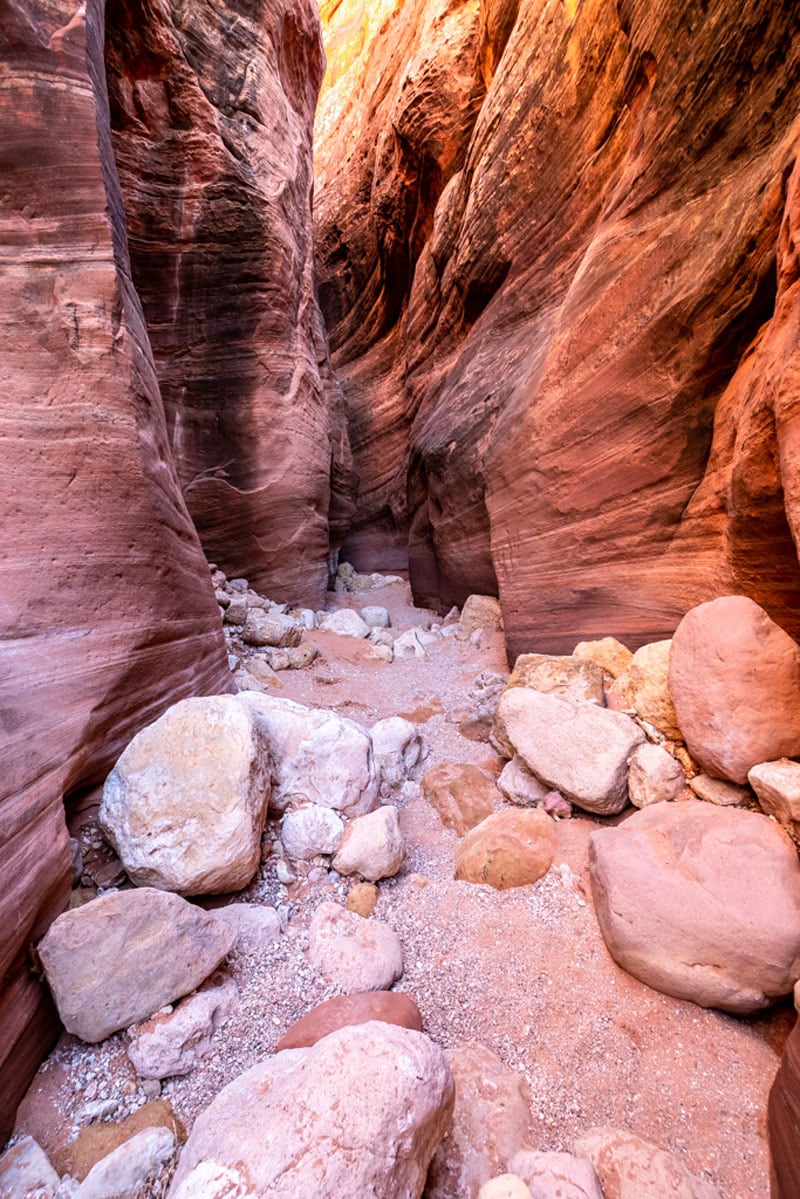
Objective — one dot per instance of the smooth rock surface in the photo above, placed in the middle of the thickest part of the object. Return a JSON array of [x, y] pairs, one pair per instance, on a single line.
[[343, 1010], [700, 902], [372, 846], [123, 956], [629, 1168], [576, 748], [461, 795], [735, 681], [556, 1175], [717, 791], [185, 805], [519, 786], [609, 654], [505, 1186], [300, 1122], [353, 953], [777, 788], [510, 848], [346, 622], [317, 756]]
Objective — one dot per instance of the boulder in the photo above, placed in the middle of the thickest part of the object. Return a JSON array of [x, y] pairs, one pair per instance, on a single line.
[[717, 791], [609, 654], [376, 617], [654, 776], [359, 1113], [574, 678], [269, 628], [344, 1010], [700, 902], [461, 794], [510, 848], [644, 687], [479, 612], [353, 953], [491, 1122], [735, 681], [397, 747], [372, 846], [25, 1171], [127, 1171], [311, 830], [519, 786], [505, 1186], [184, 807], [121, 957], [629, 1167], [345, 622], [408, 645], [256, 925], [174, 1042], [317, 756], [556, 1175], [777, 788], [576, 748]]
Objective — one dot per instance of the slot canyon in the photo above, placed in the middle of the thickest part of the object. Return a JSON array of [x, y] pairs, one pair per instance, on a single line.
[[401, 443]]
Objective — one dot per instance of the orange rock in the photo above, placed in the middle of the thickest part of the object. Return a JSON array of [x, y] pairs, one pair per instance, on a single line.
[[461, 794], [508, 849], [391, 1007]]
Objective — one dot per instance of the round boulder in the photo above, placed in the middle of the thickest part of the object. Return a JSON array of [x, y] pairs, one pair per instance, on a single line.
[[510, 848]]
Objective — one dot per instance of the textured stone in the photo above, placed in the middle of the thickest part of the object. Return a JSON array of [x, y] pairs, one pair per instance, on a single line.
[[270, 628], [298, 1124], [629, 1167], [609, 654], [174, 1043], [717, 791], [491, 1121], [317, 756], [372, 846], [344, 1010], [700, 902], [777, 788], [108, 611], [461, 794], [185, 805], [573, 678], [505, 1186], [644, 687], [783, 1118], [735, 682], [362, 899], [25, 1170], [397, 747], [123, 956], [576, 748], [519, 786], [556, 1175], [216, 173], [310, 830], [479, 612], [256, 925], [346, 622], [654, 776], [510, 848], [352, 953], [125, 1173]]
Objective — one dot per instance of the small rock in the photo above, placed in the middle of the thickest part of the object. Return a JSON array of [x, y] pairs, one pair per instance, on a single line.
[[236, 612], [259, 667], [575, 678], [654, 776], [777, 788], [479, 612], [126, 1173], [383, 653], [279, 659], [346, 623], [238, 585], [362, 899], [557, 806], [461, 795], [520, 786], [285, 874], [307, 618], [510, 848], [222, 598], [644, 687], [311, 830], [397, 747], [244, 681], [631, 1168], [408, 645], [270, 628], [344, 1010], [301, 657], [174, 1044], [256, 925], [609, 654], [25, 1171], [372, 846], [376, 617], [717, 791], [505, 1186], [123, 956], [352, 953], [556, 1175]]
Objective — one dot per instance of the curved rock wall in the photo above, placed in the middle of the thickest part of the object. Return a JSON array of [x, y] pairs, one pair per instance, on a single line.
[[108, 615], [546, 239], [212, 108]]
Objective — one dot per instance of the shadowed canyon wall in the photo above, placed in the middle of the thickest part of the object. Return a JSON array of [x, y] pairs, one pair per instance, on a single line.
[[108, 614], [547, 241], [212, 109]]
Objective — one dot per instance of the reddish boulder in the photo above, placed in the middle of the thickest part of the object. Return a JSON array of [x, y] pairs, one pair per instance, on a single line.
[[107, 608], [389, 1006], [735, 681], [461, 794], [510, 848]]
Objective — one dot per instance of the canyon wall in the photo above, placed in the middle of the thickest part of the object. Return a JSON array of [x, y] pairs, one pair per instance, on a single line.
[[212, 108], [549, 237]]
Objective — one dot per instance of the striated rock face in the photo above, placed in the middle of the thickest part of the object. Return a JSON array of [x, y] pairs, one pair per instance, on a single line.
[[211, 108], [546, 238], [106, 612]]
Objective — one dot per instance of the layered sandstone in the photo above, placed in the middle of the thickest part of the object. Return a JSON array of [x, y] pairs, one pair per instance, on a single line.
[[107, 610], [546, 239], [212, 109]]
